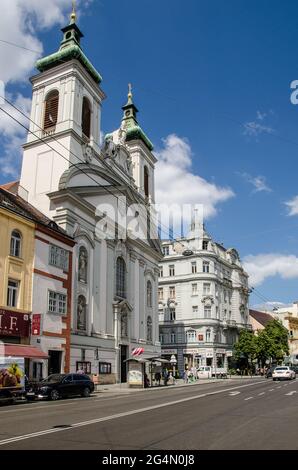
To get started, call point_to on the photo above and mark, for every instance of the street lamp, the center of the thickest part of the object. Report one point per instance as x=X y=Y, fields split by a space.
x=173 y=362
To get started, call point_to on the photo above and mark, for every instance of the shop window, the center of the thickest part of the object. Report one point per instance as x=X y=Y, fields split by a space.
x=84 y=366
x=104 y=368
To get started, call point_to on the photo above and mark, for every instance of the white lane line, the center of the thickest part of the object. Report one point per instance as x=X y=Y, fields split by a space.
x=232 y=394
x=263 y=393
x=291 y=393
x=279 y=386
x=271 y=390
x=249 y=398
x=119 y=415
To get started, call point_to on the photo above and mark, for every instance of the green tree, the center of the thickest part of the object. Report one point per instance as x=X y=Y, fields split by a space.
x=263 y=344
x=245 y=349
x=278 y=335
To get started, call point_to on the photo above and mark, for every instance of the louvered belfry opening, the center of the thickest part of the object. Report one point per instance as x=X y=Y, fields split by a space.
x=146 y=181
x=51 y=110
x=86 y=117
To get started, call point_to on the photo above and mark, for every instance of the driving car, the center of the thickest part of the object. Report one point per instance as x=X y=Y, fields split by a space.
x=60 y=386
x=283 y=373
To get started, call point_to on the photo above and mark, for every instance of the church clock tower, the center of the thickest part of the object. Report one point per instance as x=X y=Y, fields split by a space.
x=65 y=117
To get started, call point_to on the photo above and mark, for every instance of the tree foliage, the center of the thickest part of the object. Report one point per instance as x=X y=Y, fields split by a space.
x=271 y=344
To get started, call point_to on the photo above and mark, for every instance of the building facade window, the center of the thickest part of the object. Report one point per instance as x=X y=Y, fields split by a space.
x=104 y=368
x=166 y=250
x=191 y=336
x=172 y=314
x=51 y=110
x=208 y=336
x=207 y=312
x=194 y=267
x=15 y=244
x=206 y=288
x=121 y=278
x=160 y=293
x=149 y=294
x=172 y=338
x=172 y=291
x=194 y=289
x=83 y=265
x=195 y=309
x=82 y=313
x=149 y=329
x=206 y=267
x=160 y=271
x=146 y=181
x=58 y=257
x=161 y=338
x=172 y=270
x=57 y=303
x=12 y=293
x=217 y=312
x=205 y=244
x=86 y=117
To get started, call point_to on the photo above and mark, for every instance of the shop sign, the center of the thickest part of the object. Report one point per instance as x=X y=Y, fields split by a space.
x=169 y=352
x=229 y=353
x=220 y=351
x=191 y=351
x=209 y=352
x=14 y=323
x=200 y=337
x=36 y=324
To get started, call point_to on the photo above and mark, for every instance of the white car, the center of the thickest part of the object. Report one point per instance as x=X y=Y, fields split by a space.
x=283 y=373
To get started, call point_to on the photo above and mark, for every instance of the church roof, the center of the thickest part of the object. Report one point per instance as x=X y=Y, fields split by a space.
x=66 y=54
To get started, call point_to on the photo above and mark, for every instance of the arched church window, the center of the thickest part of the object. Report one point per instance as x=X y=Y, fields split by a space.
x=83 y=264
x=149 y=329
x=51 y=109
x=86 y=117
x=146 y=181
x=121 y=278
x=81 y=314
x=149 y=294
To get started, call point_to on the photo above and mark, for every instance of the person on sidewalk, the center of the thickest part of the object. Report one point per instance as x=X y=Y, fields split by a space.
x=185 y=376
x=157 y=378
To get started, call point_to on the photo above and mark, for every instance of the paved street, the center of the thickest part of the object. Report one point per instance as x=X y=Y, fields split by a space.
x=230 y=414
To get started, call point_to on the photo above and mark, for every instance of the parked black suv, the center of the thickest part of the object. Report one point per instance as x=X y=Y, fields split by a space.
x=61 y=385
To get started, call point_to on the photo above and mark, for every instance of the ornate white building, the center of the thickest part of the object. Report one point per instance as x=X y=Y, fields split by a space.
x=78 y=184
x=203 y=300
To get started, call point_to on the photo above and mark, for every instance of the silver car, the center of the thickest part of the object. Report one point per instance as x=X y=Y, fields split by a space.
x=283 y=373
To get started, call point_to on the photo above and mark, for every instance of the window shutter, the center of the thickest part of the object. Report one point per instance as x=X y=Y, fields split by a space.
x=51 y=110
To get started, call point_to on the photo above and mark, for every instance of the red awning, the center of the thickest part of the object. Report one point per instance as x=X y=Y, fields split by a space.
x=22 y=350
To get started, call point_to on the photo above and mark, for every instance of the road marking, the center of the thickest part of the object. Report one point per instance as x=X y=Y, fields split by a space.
x=291 y=393
x=232 y=394
x=249 y=398
x=262 y=393
x=271 y=390
x=119 y=415
x=279 y=386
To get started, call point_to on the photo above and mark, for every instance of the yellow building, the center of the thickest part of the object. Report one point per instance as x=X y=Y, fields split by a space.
x=16 y=269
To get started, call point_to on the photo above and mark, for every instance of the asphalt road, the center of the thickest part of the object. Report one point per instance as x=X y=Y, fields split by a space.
x=238 y=414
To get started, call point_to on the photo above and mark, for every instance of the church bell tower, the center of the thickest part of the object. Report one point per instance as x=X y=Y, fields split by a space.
x=65 y=117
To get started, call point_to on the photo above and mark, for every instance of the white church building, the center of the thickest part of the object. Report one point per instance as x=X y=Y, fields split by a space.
x=77 y=183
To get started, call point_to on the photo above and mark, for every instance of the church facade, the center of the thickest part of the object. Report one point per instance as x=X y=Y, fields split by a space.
x=102 y=196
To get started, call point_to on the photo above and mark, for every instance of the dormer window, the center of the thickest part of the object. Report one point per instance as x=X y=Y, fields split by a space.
x=51 y=110
x=86 y=117
x=205 y=244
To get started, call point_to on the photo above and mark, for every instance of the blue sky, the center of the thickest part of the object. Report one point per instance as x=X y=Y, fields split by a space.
x=213 y=75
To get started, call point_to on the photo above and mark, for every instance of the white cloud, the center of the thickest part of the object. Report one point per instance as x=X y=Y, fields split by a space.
x=177 y=184
x=13 y=134
x=262 y=266
x=292 y=206
x=259 y=182
x=255 y=128
x=20 y=23
x=269 y=306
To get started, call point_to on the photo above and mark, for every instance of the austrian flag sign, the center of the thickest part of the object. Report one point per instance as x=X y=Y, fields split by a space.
x=137 y=351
